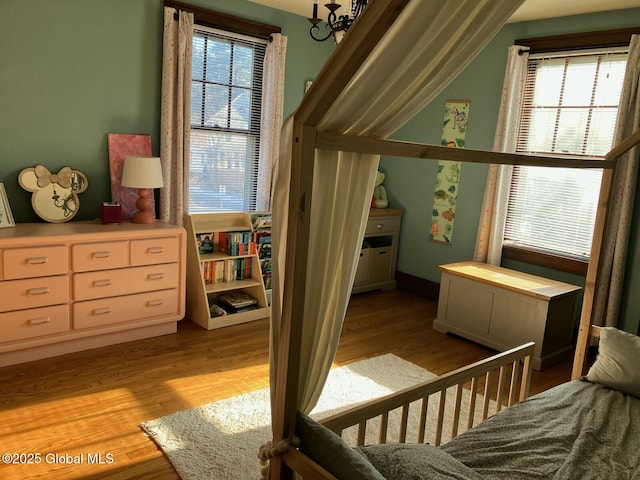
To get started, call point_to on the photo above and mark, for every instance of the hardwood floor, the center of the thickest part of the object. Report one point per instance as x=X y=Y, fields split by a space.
x=89 y=404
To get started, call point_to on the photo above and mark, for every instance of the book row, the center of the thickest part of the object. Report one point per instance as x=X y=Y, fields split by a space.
x=229 y=270
x=231 y=243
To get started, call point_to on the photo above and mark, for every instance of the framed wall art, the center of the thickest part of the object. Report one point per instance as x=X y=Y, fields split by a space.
x=6 y=218
x=122 y=145
x=54 y=196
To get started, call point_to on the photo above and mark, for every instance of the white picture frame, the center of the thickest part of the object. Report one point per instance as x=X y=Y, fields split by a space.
x=6 y=218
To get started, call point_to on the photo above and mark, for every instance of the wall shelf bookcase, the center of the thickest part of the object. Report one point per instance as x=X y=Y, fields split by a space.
x=202 y=294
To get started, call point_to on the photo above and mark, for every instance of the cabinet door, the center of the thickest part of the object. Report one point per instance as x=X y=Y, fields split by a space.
x=362 y=271
x=380 y=263
x=468 y=305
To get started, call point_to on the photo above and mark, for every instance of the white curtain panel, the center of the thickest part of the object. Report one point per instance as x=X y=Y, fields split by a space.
x=175 y=114
x=496 y=195
x=429 y=44
x=613 y=256
x=271 y=118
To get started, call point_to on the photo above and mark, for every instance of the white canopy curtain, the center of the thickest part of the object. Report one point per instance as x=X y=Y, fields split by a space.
x=175 y=113
x=613 y=255
x=425 y=48
x=271 y=116
x=496 y=195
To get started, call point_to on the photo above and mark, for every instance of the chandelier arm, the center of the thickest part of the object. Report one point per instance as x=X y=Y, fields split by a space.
x=335 y=23
x=315 y=29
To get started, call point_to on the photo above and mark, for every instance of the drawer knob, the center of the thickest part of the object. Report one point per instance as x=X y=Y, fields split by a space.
x=155 y=250
x=154 y=303
x=38 y=291
x=101 y=311
x=100 y=255
x=39 y=321
x=37 y=260
x=155 y=276
x=379 y=226
x=102 y=283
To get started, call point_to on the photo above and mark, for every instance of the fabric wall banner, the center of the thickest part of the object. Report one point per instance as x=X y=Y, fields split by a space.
x=454 y=129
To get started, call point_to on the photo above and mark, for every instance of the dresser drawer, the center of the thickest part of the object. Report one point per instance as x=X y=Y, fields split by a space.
x=154 y=251
x=381 y=225
x=35 y=262
x=34 y=323
x=108 y=311
x=87 y=257
x=34 y=292
x=124 y=281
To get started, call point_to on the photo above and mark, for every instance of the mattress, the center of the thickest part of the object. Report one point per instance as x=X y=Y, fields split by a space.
x=577 y=430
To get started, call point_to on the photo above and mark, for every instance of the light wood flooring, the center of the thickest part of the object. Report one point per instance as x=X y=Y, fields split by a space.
x=92 y=402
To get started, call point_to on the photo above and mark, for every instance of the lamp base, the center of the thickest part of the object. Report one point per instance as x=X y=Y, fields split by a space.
x=143 y=217
x=143 y=204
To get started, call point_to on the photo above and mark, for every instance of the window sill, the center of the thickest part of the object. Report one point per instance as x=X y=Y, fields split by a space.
x=563 y=264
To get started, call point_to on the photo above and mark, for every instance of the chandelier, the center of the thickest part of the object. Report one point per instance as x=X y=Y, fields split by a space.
x=335 y=26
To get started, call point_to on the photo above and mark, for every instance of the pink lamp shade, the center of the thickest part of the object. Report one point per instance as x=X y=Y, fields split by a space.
x=142 y=173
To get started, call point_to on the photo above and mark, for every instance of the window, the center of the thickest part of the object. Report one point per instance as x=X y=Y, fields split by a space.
x=569 y=109
x=226 y=98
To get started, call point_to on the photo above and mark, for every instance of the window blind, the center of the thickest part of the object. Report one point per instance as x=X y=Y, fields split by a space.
x=226 y=98
x=570 y=106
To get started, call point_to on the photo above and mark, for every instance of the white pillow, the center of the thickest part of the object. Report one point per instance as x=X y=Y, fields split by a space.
x=618 y=362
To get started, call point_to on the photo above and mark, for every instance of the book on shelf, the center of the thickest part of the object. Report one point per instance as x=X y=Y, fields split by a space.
x=237 y=301
x=261 y=220
x=205 y=242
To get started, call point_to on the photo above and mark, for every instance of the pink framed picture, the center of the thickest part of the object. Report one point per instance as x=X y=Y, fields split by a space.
x=122 y=145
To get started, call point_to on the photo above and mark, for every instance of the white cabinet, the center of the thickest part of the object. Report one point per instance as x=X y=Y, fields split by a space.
x=503 y=308
x=377 y=262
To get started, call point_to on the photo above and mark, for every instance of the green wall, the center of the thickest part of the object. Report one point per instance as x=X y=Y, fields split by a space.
x=75 y=70
x=410 y=183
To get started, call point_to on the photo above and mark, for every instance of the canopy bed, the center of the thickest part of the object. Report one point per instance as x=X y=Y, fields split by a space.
x=396 y=58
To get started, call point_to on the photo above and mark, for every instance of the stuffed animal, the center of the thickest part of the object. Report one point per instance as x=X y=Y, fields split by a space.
x=379 y=192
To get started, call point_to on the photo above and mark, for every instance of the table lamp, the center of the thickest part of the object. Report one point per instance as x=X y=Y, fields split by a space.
x=143 y=173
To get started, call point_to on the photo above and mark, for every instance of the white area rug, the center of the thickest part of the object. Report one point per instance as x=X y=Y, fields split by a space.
x=220 y=440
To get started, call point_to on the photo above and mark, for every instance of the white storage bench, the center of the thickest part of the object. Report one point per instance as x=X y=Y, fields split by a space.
x=503 y=308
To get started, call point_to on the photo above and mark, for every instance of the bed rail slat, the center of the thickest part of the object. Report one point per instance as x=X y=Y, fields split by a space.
x=473 y=394
x=456 y=410
x=440 y=421
x=403 y=423
x=526 y=378
x=422 y=428
x=473 y=373
x=362 y=432
x=500 y=392
x=384 y=425
x=513 y=387
x=487 y=394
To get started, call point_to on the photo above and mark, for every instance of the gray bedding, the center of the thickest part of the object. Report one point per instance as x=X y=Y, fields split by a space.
x=578 y=430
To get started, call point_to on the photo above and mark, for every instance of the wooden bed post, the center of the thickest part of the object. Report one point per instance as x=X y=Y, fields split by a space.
x=290 y=335
x=582 y=343
x=329 y=84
